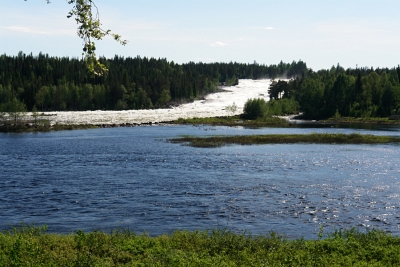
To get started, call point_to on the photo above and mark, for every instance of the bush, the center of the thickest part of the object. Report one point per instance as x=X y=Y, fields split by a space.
x=15 y=109
x=231 y=109
x=255 y=108
x=283 y=106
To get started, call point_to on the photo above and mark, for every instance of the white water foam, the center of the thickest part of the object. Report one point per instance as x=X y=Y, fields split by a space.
x=213 y=105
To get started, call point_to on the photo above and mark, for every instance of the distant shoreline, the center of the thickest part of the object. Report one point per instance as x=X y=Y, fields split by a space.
x=230 y=121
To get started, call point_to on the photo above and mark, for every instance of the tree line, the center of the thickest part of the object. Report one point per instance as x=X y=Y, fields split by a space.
x=44 y=83
x=361 y=92
x=47 y=83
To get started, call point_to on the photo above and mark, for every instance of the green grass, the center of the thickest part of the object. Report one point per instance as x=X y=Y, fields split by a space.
x=31 y=246
x=313 y=138
x=234 y=121
x=25 y=128
x=361 y=120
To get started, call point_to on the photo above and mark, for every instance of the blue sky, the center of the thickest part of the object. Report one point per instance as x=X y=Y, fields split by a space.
x=320 y=32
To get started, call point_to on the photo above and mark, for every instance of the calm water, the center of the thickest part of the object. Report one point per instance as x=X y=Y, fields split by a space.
x=133 y=178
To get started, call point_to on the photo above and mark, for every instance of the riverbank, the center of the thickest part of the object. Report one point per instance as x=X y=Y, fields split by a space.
x=34 y=247
x=221 y=108
x=211 y=106
x=314 y=138
x=27 y=128
x=234 y=121
x=352 y=120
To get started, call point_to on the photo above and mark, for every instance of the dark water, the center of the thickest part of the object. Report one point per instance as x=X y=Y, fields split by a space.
x=133 y=178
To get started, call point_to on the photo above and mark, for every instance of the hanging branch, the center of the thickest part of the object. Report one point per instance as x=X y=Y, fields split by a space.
x=89 y=29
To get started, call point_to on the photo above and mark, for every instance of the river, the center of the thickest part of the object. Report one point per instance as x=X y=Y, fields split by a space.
x=133 y=178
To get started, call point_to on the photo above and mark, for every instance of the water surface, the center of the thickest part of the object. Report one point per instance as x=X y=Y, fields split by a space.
x=134 y=178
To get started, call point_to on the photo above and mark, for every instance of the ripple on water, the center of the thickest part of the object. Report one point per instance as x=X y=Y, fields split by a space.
x=131 y=177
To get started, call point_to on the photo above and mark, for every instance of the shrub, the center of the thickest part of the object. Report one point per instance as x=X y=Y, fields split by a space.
x=231 y=109
x=283 y=106
x=15 y=109
x=255 y=108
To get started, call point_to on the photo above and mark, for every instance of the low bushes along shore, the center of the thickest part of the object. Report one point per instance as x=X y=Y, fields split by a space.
x=31 y=246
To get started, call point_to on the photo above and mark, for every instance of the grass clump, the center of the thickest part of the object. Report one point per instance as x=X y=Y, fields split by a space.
x=313 y=138
x=32 y=246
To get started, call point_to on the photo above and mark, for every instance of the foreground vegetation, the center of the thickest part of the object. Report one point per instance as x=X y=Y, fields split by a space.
x=31 y=246
x=313 y=138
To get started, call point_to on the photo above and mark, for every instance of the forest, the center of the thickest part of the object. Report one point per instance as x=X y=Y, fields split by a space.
x=45 y=83
x=62 y=84
x=359 y=93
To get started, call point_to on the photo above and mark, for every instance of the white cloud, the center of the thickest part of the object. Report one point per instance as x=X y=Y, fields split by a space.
x=262 y=28
x=36 y=31
x=24 y=30
x=219 y=44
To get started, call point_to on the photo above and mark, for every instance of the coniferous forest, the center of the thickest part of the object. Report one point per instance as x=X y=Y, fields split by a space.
x=47 y=83
x=62 y=84
x=359 y=93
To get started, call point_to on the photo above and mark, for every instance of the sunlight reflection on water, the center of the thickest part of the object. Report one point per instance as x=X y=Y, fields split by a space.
x=133 y=178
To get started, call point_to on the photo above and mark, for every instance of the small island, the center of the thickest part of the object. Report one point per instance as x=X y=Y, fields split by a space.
x=313 y=138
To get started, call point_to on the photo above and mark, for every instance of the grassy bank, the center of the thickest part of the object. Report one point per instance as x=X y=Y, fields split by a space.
x=44 y=128
x=313 y=138
x=234 y=121
x=361 y=120
x=44 y=125
x=29 y=246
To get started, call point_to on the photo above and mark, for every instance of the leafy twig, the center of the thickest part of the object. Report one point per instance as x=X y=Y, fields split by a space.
x=89 y=29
